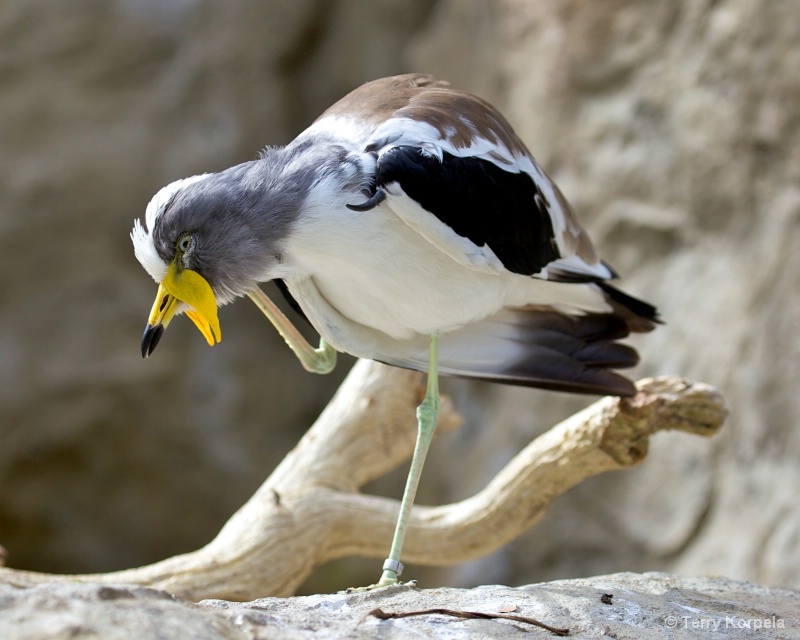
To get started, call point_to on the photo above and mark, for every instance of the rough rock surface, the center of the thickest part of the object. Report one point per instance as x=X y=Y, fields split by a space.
x=626 y=605
x=672 y=125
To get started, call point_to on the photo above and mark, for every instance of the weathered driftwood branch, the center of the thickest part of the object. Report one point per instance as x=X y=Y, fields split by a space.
x=309 y=510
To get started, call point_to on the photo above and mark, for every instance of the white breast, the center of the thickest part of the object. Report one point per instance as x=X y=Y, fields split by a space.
x=376 y=271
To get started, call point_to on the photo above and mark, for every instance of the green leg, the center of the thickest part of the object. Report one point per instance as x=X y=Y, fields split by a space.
x=427 y=414
x=321 y=360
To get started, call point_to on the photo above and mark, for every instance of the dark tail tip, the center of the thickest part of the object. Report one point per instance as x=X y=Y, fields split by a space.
x=640 y=316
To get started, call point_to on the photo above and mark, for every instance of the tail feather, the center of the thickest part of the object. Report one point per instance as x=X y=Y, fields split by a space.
x=545 y=349
x=640 y=316
x=539 y=346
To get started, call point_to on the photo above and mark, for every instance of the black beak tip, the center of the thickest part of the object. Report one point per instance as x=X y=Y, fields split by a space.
x=150 y=339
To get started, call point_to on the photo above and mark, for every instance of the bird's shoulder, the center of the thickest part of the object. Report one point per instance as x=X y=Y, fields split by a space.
x=379 y=100
x=452 y=166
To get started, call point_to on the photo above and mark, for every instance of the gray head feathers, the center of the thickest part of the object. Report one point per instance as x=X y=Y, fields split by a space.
x=238 y=220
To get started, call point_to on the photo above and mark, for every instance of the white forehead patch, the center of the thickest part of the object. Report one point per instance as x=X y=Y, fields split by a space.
x=142 y=235
x=146 y=253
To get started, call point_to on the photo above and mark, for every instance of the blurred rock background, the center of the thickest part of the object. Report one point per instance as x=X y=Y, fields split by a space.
x=672 y=125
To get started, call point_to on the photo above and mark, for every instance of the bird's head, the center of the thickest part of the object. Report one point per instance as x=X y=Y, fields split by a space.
x=203 y=243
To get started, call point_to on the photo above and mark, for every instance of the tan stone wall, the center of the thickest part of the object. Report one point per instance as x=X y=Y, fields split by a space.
x=672 y=126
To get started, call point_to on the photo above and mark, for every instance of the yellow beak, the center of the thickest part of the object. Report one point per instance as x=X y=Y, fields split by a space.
x=182 y=286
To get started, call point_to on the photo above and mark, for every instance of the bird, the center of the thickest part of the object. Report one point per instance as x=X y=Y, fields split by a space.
x=409 y=224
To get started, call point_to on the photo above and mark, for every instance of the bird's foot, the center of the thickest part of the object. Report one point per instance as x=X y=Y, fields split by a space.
x=381 y=585
x=391 y=574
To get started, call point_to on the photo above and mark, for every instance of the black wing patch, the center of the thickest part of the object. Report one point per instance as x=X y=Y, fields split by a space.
x=479 y=201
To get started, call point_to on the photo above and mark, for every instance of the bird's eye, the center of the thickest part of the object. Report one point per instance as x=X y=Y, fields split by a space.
x=184 y=242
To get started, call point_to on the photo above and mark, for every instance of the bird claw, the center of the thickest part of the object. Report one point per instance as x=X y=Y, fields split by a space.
x=378 y=197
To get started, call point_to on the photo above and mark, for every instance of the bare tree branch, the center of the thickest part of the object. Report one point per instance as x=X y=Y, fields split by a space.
x=309 y=510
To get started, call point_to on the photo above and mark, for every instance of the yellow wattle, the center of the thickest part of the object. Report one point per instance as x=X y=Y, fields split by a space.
x=190 y=287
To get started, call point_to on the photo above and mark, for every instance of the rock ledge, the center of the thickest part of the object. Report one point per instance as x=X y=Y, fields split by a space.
x=623 y=605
